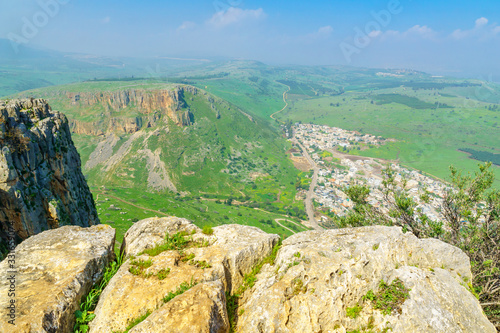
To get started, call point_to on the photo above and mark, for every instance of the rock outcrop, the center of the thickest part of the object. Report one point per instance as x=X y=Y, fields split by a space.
x=152 y=105
x=322 y=279
x=41 y=183
x=52 y=271
x=177 y=279
x=217 y=262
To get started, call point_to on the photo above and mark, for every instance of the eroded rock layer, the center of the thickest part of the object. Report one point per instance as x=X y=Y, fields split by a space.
x=41 y=183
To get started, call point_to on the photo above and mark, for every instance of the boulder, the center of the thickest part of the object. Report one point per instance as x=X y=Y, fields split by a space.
x=322 y=279
x=53 y=271
x=202 y=309
x=225 y=257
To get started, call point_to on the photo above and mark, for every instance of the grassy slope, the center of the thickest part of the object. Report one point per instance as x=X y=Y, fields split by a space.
x=194 y=157
x=428 y=139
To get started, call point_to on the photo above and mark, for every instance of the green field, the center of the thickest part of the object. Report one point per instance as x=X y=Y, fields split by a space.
x=243 y=160
x=119 y=207
x=428 y=138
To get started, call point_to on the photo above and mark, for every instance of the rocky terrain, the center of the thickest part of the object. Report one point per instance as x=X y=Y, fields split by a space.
x=41 y=183
x=176 y=278
x=53 y=271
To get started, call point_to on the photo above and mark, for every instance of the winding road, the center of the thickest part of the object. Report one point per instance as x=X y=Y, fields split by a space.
x=286 y=105
x=308 y=203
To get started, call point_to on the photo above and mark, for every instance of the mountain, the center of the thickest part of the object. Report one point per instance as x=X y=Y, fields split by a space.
x=165 y=137
x=149 y=147
x=24 y=67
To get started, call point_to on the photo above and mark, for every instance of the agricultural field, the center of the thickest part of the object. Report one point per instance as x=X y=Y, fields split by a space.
x=121 y=207
x=432 y=127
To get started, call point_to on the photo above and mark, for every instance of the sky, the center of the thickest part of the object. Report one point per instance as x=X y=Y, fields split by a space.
x=455 y=37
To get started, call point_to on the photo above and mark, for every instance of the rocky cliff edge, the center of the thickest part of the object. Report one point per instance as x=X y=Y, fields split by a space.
x=175 y=278
x=41 y=183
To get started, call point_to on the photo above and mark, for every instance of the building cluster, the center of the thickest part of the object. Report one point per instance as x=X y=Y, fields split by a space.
x=324 y=137
x=348 y=170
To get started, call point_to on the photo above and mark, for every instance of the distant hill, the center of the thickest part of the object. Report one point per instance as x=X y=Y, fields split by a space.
x=24 y=67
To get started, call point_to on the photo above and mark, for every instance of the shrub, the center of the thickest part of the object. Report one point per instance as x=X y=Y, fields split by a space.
x=354 y=311
x=390 y=297
x=207 y=230
x=16 y=140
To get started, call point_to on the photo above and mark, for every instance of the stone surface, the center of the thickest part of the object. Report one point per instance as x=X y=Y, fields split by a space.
x=320 y=274
x=202 y=309
x=41 y=183
x=54 y=269
x=233 y=251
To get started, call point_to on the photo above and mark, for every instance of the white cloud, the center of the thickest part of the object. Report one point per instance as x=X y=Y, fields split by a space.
x=323 y=32
x=482 y=29
x=422 y=31
x=235 y=15
x=481 y=22
x=187 y=25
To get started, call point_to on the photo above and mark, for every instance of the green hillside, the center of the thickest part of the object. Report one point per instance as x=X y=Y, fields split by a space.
x=225 y=167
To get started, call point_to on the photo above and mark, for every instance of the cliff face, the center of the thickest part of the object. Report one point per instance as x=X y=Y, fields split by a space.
x=41 y=183
x=152 y=104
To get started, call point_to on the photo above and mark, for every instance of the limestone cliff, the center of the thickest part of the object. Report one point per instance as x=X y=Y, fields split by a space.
x=152 y=105
x=41 y=183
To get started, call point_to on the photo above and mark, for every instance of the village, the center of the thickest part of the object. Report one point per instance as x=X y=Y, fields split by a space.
x=336 y=170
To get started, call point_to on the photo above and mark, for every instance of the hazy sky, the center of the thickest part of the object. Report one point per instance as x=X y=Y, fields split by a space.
x=455 y=37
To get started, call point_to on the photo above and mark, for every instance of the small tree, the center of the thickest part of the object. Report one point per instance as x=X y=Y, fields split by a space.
x=471 y=210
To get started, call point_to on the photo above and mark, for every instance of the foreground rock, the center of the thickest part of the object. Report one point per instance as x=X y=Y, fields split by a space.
x=54 y=270
x=41 y=183
x=321 y=277
x=200 y=309
x=217 y=263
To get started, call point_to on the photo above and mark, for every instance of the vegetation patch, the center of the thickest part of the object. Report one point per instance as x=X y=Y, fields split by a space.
x=482 y=156
x=298 y=286
x=163 y=273
x=137 y=267
x=354 y=311
x=85 y=315
x=187 y=257
x=232 y=301
x=182 y=288
x=411 y=102
x=200 y=264
x=136 y=321
x=207 y=230
x=177 y=241
x=389 y=297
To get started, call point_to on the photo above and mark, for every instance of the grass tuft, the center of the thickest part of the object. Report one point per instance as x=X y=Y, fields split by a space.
x=207 y=230
x=354 y=311
x=182 y=288
x=390 y=297
x=85 y=315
